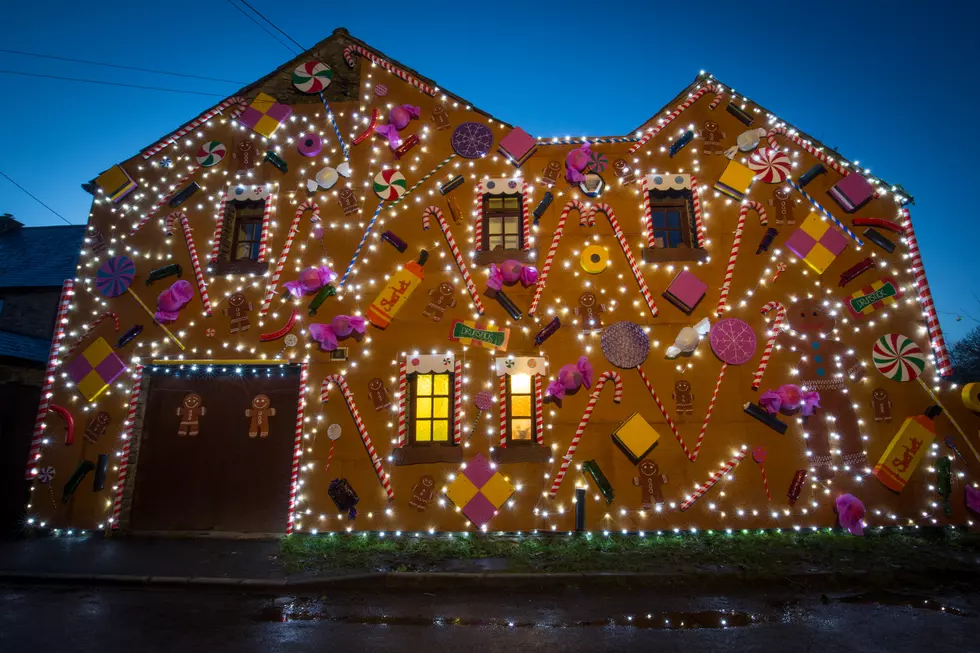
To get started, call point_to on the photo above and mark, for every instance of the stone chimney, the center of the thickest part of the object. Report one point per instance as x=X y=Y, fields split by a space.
x=8 y=223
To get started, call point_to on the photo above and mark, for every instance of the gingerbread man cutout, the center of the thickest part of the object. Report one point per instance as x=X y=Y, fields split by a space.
x=378 y=394
x=683 y=397
x=422 y=493
x=260 y=412
x=440 y=117
x=550 y=173
x=589 y=310
x=651 y=482
x=440 y=298
x=348 y=201
x=237 y=309
x=95 y=240
x=623 y=172
x=712 y=136
x=190 y=415
x=96 y=426
x=244 y=154
x=782 y=205
x=882 y=405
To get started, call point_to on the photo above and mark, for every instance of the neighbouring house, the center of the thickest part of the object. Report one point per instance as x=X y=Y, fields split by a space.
x=34 y=263
x=347 y=299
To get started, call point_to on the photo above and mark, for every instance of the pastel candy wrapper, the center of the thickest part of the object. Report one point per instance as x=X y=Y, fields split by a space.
x=172 y=300
x=688 y=338
x=509 y=273
x=340 y=327
x=850 y=513
x=570 y=378
x=310 y=280
x=575 y=163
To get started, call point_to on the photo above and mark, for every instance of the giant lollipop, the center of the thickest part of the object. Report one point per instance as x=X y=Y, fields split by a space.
x=770 y=166
x=115 y=277
x=733 y=342
x=483 y=401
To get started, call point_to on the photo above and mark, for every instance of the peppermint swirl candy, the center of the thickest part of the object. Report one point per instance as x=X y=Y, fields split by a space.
x=898 y=357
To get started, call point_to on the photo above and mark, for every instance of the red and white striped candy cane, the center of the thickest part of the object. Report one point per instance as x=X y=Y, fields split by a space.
x=297 y=447
x=402 y=400
x=90 y=327
x=780 y=268
x=774 y=329
x=192 y=251
x=127 y=441
x=618 y=231
x=617 y=397
x=715 y=477
x=266 y=227
x=194 y=124
x=166 y=197
x=270 y=292
x=219 y=225
x=526 y=215
x=795 y=137
x=747 y=205
x=538 y=411
x=647 y=221
x=502 y=408
x=711 y=87
x=691 y=455
x=460 y=262
x=67 y=292
x=925 y=297
x=457 y=401
x=711 y=408
x=350 y=50
x=361 y=429
x=583 y=212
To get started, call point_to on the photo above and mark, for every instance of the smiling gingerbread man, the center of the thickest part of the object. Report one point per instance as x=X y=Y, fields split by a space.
x=260 y=412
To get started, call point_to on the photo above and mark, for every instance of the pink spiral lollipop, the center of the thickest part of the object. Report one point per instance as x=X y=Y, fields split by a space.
x=770 y=166
x=483 y=401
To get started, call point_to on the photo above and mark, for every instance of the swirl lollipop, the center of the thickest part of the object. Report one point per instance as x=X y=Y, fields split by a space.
x=115 y=277
x=770 y=166
x=483 y=401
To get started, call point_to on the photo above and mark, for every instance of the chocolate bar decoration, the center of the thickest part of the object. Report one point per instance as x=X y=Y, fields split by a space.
x=878 y=239
x=766 y=418
x=853 y=272
x=591 y=468
x=164 y=272
x=811 y=174
x=184 y=195
x=452 y=184
x=548 y=331
x=796 y=486
x=508 y=305
x=128 y=337
x=454 y=211
x=101 y=467
x=580 y=502
x=277 y=161
x=767 y=240
x=542 y=206
x=406 y=145
x=679 y=144
x=396 y=242
x=740 y=113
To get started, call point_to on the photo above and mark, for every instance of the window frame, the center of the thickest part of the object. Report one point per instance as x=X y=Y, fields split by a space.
x=673 y=196
x=237 y=206
x=502 y=214
x=411 y=408
x=665 y=204
x=511 y=441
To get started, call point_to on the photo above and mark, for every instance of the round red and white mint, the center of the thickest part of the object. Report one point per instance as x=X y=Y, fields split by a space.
x=770 y=166
x=211 y=153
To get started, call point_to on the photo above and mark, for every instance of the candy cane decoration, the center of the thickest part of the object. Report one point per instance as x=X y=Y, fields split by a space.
x=713 y=479
x=266 y=224
x=127 y=440
x=361 y=429
x=691 y=455
x=90 y=327
x=67 y=292
x=192 y=251
x=502 y=408
x=780 y=268
x=525 y=213
x=460 y=262
x=827 y=214
x=538 y=411
x=583 y=212
x=166 y=197
x=297 y=447
x=402 y=400
x=352 y=49
x=457 y=401
x=617 y=397
x=809 y=149
x=617 y=230
x=696 y=202
x=774 y=329
x=421 y=181
x=747 y=205
x=194 y=124
x=925 y=297
x=714 y=88
x=270 y=292
x=219 y=225
x=360 y=246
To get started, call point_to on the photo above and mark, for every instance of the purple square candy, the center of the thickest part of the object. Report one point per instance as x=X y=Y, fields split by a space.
x=687 y=288
x=834 y=241
x=110 y=368
x=250 y=116
x=517 y=143
x=279 y=112
x=479 y=510
x=78 y=368
x=800 y=243
x=852 y=192
x=478 y=471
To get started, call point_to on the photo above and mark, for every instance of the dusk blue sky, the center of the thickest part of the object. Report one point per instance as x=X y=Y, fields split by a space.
x=885 y=85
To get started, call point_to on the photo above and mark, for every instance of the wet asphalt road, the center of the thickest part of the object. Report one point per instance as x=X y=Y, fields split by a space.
x=110 y=619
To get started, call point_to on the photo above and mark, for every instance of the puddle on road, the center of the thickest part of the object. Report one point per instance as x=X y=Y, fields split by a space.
x=900 y=600
x=302 y=609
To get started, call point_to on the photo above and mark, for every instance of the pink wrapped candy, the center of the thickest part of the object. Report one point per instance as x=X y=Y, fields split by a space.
x=788 y=398
x=310 y=280
x=510 y=272
x=398 y=119
x=575 y=163
x=172 y=300
x=339 y=328
x=850 y=513
x=570 y=378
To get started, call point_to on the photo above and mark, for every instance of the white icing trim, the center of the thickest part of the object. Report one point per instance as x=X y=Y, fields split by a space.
x=502 y=186
x=533 y=365
x=429 y=363
x=668 y=181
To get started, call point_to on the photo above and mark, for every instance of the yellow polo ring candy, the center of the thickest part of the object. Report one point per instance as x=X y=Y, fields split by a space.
x=971 y=396
x=594 y=259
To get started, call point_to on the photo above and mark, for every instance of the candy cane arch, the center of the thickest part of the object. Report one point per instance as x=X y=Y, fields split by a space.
x=806 y=147
x=716 y=89
x=583 y=212
x=691 y=455
x=192 y=251
x=67 y=292
x=460 y=262
x=736 y=244
x=194 y=124
x=298 y=447
x=127 y=440
x=618 y=231
x=361 y=429
x=90 y=327
x=925 y=297
x=617 y=397
x=352 y=49
x=713 y=479
x=270 y=292
x=774 y=329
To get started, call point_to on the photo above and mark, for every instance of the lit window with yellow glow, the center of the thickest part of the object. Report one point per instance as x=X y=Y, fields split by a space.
x=520 y=408
x=432 y=420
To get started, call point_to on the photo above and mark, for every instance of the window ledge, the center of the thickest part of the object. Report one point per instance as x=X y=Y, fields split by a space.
x=499 y=255
x=668 y=254
x=246 y=266
x=521 y=452
x=420 y=454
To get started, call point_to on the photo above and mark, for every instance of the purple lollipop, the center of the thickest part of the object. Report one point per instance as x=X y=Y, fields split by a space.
x=115 y=276
x=733 y=341
x=471 y=140
x=483 y=401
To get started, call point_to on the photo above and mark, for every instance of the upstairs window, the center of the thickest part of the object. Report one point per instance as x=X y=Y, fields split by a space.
x=243 y=219
x=502 y=225
x=503 y=231
x=671 y=221
x=245 y=222
x=672 y=231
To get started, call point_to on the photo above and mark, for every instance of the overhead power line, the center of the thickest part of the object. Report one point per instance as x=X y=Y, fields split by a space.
x=97 y=81
x=34 y=197
x=263 y=27
x=260 y=15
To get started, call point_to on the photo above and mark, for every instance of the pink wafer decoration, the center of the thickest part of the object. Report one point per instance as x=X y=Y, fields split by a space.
x=691 y=455
x=270 y=292
x=708 y=88
x=361 y=429
x=715 y=477
x=194 y=124
x=460 y=262
x=67 y=292
x=297 y=447
x=747 y=205
x=402 y=400
x=192 y=251
x=352 y=49
x=89 y=328
x=166 y=197
x=502 y=408
x=618 y=231
x=925 y=297
x=583 y=211
x=127 y=440
x=538 y=410
x=795 y=137
x=617 y=397
x=266 y=227
x=774 y=329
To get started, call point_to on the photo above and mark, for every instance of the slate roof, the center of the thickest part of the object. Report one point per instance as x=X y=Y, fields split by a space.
x=24 y=347
x=39 y=257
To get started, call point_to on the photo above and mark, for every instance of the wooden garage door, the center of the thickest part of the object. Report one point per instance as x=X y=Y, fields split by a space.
x=220 y=479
